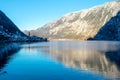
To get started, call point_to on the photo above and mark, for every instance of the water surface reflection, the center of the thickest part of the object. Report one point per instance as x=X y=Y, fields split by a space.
x=60 y=60
x=6 y=52
x=100 y=57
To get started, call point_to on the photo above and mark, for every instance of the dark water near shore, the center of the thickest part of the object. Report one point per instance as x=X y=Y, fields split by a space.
x=60 y=60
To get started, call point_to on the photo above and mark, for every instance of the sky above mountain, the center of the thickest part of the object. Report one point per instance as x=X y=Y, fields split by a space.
x=31 y=14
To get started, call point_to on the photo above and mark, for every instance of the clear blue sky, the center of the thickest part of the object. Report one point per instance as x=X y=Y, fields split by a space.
x=31 y=14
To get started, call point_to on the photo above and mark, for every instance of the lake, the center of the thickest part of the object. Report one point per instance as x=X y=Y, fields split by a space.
x=60 y=60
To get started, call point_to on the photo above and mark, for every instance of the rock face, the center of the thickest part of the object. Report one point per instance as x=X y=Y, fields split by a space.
x=10 y=32
x=81 y=25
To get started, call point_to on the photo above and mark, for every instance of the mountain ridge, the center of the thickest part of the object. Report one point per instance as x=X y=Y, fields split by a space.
x=80 y=25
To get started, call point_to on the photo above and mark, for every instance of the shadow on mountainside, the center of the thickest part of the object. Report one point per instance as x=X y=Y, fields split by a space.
x=110 y=31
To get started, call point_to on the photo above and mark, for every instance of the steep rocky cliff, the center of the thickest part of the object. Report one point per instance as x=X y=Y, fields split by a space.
x=81 y=25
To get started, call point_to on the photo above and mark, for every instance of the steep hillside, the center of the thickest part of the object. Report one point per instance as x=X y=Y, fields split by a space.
x=81 y=25
x=8 y=30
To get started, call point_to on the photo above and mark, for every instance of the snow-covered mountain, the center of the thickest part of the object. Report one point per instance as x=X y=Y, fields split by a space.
x=81 y=25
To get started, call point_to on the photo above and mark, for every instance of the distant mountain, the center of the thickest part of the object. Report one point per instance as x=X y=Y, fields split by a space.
x=10 y=32
x=81 y=25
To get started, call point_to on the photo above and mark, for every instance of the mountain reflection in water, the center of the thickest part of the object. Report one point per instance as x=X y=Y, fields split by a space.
x=99 y=57
x=44 y=60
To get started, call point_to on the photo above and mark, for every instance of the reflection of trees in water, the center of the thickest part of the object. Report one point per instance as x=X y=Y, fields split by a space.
x=6 y=51
x=97 y=61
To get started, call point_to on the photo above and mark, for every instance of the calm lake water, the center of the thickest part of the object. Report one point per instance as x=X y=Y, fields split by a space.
x=60 y=60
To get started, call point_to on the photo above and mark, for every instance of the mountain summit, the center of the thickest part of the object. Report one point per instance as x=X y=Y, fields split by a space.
x=81 y=25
